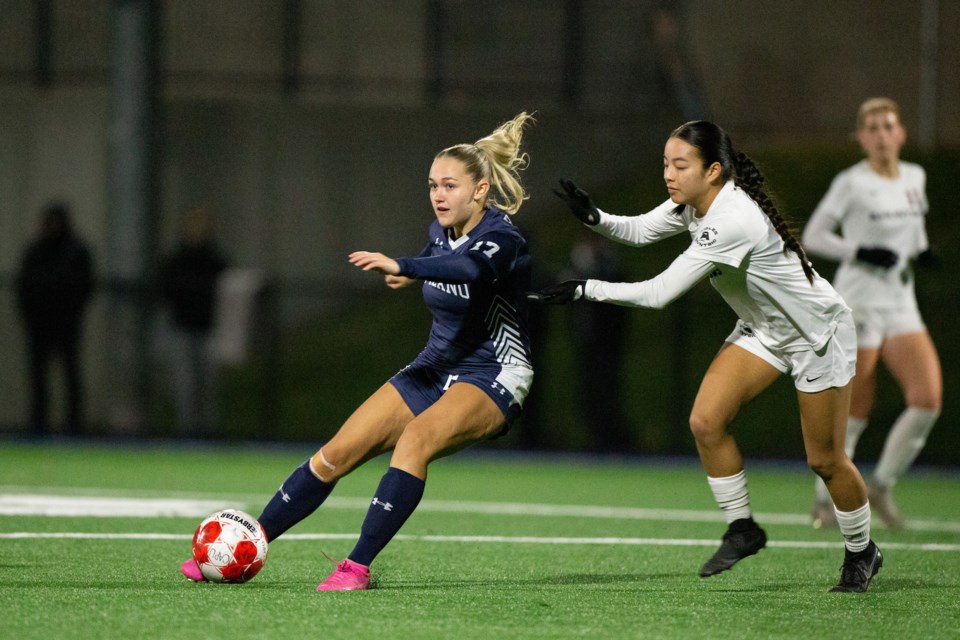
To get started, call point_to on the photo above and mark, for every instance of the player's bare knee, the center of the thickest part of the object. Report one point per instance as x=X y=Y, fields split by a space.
x=923 y=399
x=412 y=460
x=706 y=430
x=423 y=442
x=823 y=467
x=416 y=442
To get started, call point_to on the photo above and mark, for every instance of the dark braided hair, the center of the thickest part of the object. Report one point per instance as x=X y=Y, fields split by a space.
x=714 y=145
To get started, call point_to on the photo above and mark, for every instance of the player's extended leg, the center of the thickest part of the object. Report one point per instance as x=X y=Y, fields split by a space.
x=462 y=416
x=823 y=417
x=371 y=430
x=733 y=379
x=912 y=360
x=862 y=394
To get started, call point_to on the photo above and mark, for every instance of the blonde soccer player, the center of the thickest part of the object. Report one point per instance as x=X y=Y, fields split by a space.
x=469 y=382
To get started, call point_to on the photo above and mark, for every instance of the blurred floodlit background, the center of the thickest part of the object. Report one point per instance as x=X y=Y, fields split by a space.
x=306 y=127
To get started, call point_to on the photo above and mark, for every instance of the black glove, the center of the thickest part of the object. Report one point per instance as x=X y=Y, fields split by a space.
x=877 y=256
x=579 y=202
x=927 y=259
x=561 y=293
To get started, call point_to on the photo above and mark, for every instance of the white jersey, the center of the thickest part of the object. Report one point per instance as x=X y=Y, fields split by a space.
x=872 y=211
x=734 y=244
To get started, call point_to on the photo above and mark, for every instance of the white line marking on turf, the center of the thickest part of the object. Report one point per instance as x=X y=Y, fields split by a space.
x=24 y=504
x=638 y=513
x=553 y=540
x=45 y=505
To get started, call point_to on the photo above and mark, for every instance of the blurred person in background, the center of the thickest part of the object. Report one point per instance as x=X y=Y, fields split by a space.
x=791 y=321
x=188 y=278
x=468 y=383
x=53 y=287
x=872 y=221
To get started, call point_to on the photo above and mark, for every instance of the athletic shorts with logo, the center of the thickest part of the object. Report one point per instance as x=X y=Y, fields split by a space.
x=833 y=365
x=421 y=384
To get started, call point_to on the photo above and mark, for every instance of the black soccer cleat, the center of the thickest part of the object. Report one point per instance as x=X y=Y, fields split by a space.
x=858 y=569
x=743 y=538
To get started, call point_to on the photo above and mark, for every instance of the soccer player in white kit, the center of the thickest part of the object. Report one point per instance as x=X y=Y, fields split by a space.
x=879 y=206
x=790 y=321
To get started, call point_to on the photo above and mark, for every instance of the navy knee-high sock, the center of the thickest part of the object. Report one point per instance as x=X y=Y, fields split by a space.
x=298 y=497
x=397 y=496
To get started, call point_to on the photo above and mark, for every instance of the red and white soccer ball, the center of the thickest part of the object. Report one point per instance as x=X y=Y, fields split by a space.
x=229 y=546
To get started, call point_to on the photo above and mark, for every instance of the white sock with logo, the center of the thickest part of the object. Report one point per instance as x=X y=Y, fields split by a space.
x=732 y=496
x=855 y=427
x=855 y=527
x=904 y=443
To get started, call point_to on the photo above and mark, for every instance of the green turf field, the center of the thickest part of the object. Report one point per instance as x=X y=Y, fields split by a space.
x=501 y=547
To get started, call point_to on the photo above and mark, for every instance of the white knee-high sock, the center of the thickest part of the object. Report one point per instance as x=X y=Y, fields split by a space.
x=855 y=427
x=732 y=496
x=904 y=443
x=855 y=527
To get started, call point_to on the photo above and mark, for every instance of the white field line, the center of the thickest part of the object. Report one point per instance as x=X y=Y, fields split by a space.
x=95 y=504
x=104 y=506
x=607 y=541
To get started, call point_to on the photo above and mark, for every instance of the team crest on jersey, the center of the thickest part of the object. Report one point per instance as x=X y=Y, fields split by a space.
x=706 y=237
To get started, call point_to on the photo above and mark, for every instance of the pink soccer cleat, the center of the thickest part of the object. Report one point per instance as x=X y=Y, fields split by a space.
x=191 y=570
x=348 y=576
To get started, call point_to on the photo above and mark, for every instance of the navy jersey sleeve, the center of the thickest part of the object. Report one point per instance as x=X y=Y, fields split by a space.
x=488 y=258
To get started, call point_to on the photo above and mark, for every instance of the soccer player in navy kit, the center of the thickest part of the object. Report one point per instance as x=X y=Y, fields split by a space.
x=791 y=321
x=469 y=381
x=879 y=206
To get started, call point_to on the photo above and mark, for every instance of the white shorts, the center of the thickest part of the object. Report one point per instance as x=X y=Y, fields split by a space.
x=834 y=365
x=874 y=326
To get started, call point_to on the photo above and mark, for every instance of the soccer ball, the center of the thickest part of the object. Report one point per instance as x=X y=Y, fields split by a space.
x=229 y=546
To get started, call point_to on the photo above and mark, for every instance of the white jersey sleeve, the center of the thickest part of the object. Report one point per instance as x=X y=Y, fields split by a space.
x=737 y=247
x=662 y=222
x=682 y=274
x=820 y=236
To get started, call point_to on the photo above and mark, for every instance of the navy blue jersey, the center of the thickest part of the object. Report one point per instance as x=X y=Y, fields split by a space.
x=475 y=287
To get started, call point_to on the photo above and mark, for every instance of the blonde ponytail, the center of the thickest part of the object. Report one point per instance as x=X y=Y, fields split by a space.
x=497 y=158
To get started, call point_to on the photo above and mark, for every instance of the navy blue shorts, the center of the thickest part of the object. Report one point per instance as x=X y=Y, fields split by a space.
x=421 y=385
